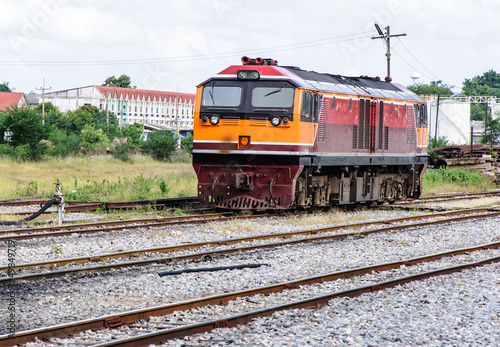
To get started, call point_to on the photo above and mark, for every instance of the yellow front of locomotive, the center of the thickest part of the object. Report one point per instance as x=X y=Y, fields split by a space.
x=248 y=138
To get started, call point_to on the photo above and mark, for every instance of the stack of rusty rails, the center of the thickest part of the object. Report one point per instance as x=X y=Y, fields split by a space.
x=482 y=158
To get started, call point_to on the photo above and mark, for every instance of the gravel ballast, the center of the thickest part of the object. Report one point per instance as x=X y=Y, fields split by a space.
x=60 y=300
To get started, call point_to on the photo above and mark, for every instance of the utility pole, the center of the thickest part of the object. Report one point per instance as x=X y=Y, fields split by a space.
x=387 y=38
x=177 y=112
x=437 y=117
x=107 y=106
x=486 y=124
x=43 y=99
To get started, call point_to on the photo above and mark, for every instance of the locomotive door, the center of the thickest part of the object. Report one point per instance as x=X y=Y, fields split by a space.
x=373 y=117
x=367 y=125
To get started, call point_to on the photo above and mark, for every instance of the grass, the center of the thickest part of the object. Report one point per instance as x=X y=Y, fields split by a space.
x=467 y=203
x=103 y=178
x=334 y=216
x=98 y=178
x=445 y=181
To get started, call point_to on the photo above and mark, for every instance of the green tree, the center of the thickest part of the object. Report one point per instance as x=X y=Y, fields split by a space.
x=161 y=144
x=63 y=144
x=187 y=143
x=133 y=133
x=434 y=88
x=22 y=129
x=4 y=87
x=49 y=107
x=488 y=84
x=93 y=138
x=123 y=82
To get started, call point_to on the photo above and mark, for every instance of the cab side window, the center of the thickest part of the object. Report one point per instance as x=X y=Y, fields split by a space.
x=307 y=101
x=311 y=106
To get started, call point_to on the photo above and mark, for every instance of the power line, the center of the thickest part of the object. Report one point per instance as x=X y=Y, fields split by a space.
x=437 y=78
x=301 y=45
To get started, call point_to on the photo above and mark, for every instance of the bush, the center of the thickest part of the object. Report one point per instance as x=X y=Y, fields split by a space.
x=93 y=138
x=63 y=144
x=6 y=149
x=187 y=144
x=442 y=176
x=121 y=152
x=26 y=133
x=161 y=144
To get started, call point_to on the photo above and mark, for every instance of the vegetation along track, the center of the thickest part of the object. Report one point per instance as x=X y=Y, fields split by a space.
x=465 y=215
x=116 y=320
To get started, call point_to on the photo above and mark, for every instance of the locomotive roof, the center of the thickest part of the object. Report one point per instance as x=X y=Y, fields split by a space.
x=362 y=85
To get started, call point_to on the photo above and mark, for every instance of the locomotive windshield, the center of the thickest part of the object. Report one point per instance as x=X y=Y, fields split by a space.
x=223 y=96
x=273 y=97
x=248 y=96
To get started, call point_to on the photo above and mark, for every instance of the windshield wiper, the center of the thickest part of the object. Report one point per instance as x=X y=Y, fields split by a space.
x=211 y=92
x=276 y=90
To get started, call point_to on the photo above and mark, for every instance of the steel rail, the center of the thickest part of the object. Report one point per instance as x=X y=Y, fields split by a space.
x=125 y=225
x=123 y=318
x=462 y=196
x=193 y=256
x=109 y=204
x=109 y=223
x=310 y=303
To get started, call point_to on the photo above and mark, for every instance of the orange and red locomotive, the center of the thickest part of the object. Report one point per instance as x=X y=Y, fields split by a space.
x=276 y=137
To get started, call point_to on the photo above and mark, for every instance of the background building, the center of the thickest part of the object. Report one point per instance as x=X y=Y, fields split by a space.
x=8 y=99
x=155 y=109
x=453 y=120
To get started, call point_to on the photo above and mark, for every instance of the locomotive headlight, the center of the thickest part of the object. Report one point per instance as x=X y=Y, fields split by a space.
x=275 y=121
x=204 y=119
x=285 y=120
x=214 y=119
x=248 y=75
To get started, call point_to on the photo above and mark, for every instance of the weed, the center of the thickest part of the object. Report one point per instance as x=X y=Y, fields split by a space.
x=164 y=187
x=30 y=190
x=177 y=212
x=57 y=249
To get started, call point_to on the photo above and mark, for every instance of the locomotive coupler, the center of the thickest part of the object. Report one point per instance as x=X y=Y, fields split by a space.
x=243 y=181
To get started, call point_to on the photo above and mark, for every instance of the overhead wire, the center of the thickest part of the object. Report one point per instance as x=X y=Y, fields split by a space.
x=301 y=45
x=413 y=56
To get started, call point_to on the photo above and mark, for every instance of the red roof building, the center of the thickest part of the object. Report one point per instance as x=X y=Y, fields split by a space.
x=8 y=99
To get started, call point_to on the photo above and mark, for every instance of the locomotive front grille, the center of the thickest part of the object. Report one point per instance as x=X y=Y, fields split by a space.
x=230 y=122
x=258 y=122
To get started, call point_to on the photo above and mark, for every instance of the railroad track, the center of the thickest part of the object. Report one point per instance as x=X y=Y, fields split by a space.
x=115 y=225
x=156 y=337
x=466 y=215
x=463 y=196
x=80 y=206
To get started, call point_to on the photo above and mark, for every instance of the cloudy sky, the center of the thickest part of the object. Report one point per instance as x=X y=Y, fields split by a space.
x=176 y=44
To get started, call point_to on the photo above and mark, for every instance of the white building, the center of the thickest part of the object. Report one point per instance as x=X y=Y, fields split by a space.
x=168 y=110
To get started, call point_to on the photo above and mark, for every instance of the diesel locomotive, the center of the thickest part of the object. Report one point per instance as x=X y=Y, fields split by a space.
x=279 y=137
